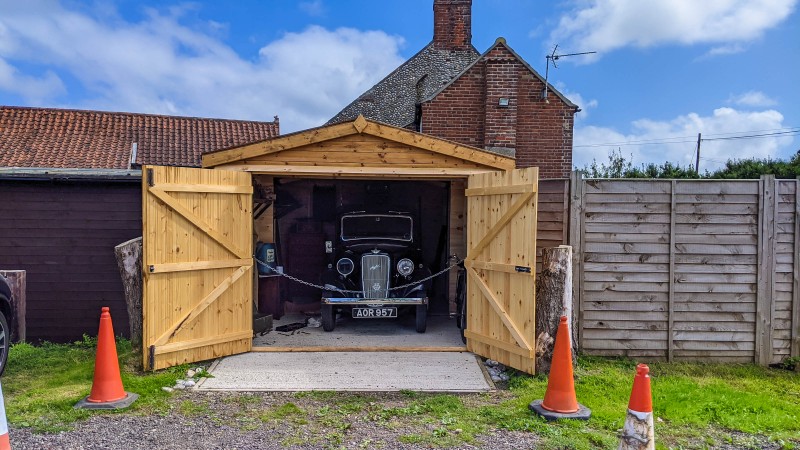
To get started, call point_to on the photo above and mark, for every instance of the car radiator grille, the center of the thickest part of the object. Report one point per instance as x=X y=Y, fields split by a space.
x=375 y=275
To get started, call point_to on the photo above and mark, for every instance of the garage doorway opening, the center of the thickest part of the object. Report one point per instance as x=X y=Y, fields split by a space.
x=304 y=227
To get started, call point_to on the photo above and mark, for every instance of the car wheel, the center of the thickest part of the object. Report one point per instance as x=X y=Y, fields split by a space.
x=5 y=342
x=328 y=318
x=462 y=319
x=422 y=318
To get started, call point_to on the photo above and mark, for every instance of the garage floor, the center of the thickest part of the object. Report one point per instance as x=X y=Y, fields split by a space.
x=352 y=359
x=373 y=334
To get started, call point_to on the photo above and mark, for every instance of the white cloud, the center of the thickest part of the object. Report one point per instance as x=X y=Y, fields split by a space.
x=605 y=25
x=576 y=98
x=675 y=140
x=30 y=88
x=159 y=65
x=752 y=98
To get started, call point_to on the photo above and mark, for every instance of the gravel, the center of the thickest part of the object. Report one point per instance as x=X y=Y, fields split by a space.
x=232 y=424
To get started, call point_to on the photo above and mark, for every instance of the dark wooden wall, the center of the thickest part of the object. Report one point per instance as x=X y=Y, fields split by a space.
x=63 y=233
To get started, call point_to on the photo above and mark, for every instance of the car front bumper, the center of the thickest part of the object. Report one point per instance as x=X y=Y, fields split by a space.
x=354 y=301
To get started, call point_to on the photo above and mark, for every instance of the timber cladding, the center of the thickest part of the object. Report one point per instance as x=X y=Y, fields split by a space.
x=63 y=234
x=684 y=269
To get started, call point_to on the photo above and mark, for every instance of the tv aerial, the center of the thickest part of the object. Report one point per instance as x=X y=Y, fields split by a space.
x=555 y=57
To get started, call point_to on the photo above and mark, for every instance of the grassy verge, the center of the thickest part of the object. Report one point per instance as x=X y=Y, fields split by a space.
x=696 y=405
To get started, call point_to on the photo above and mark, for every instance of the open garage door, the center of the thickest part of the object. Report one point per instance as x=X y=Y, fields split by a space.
x=501 y=266
x=197 y=262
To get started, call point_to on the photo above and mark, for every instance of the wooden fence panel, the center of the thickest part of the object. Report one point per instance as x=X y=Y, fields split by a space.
x=553 y=216
x=687 y=269
x=786 y=218
x=625 y=277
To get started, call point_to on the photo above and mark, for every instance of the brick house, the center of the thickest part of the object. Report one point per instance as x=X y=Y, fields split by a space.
x=70 y=190
x=492 y=100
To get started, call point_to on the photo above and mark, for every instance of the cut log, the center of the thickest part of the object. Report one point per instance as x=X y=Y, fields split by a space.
x=17 y=280
x=553 y=299
x=129 y=261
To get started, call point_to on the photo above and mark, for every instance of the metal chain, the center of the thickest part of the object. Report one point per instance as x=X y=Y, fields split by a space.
x=344 y=291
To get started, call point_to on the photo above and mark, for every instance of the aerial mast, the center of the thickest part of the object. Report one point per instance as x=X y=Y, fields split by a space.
x=555 y=57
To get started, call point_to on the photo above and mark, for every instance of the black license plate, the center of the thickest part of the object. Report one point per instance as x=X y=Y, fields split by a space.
x=374 y=313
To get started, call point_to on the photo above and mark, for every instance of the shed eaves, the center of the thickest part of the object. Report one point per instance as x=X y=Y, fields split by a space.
x=393 y=99
x=63 y=138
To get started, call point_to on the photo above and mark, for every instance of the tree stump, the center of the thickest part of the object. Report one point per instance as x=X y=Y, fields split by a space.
x=553 y=300
x=17 y=281
x=129 y=261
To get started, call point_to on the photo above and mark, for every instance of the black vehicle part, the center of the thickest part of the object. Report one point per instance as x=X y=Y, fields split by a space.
x=328 y=317
x=422 y=318
x=461 y=301
x=5 y=341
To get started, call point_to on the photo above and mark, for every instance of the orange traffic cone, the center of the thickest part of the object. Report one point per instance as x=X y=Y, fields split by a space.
x=638 y=433
x=107 y=391
x=5 y=444
x=559 y=399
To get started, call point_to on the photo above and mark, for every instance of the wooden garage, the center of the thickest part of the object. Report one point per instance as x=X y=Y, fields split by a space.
x=200 y=226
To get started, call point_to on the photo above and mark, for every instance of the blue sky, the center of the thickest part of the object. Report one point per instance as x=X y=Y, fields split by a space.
x=665 y=70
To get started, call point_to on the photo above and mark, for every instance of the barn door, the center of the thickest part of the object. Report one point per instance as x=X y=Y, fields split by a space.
x=501 y=266
x=197 y=262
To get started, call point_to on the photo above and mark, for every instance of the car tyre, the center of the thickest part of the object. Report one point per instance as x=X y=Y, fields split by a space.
x=462 y=319
x=5 y=342
x=422 y=318
x=328 y=318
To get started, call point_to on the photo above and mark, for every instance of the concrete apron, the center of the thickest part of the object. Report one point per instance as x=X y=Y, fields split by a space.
x=348 y=371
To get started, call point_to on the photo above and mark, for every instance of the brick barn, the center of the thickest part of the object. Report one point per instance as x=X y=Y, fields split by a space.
x=493 y=100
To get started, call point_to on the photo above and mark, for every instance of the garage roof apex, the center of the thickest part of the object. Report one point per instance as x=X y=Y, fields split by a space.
x=362 y=126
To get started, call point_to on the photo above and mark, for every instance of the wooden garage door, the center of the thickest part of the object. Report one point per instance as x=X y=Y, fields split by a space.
x=197 y=262
x=501 y=262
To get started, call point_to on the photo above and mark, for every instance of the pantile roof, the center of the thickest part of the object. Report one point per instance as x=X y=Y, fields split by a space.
x=65 y=138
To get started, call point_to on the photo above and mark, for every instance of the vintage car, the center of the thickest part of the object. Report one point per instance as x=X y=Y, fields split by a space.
x=374 y=269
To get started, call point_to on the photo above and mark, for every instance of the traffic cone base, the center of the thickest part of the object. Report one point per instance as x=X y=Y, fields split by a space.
x=107 y=391
x=583 y=413
x=638 y=432
x=559 y=399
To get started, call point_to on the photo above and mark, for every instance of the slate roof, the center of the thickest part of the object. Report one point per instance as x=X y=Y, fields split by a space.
x=65 y=138
x=393 y=99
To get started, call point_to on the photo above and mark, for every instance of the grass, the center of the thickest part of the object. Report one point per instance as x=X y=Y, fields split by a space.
x=696 y=405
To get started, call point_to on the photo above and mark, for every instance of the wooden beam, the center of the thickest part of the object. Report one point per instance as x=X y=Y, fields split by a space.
x=501 y=312
x=195 y=220
x=318 y=348
x=500 y=190
x=333 y=171
x=766 y=250
x=199 y=265
x=499 y=226
x=210 y=188
x=501 y=267
x=419 y=140
x=202 y=342
x=499 y=344
x=277 y=144
x=195 y=312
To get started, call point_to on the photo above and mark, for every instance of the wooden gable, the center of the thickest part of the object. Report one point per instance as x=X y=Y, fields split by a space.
x=361 y=148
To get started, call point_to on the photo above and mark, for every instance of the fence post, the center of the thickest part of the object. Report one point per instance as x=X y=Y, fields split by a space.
x=576 y=241
x=671 y=295
x=766 y=270
x=795 y=333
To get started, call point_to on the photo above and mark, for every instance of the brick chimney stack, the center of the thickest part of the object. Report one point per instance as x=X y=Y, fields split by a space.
x=452 y=24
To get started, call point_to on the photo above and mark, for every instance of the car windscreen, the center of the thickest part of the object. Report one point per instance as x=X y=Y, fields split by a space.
x=374 y=226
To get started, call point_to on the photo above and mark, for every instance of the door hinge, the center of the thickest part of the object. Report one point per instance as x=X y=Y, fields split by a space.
x=150 y=178
x=522 y=269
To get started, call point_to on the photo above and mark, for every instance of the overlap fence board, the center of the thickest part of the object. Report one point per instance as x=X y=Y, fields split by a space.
x=687 y=269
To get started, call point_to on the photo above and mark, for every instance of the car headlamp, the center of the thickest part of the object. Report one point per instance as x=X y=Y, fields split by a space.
x=345 y=266
x=405 y=267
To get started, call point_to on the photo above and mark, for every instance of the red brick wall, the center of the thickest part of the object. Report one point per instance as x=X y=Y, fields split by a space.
x=452 y=24
x=467 y=111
